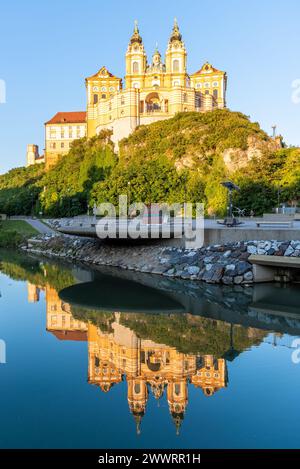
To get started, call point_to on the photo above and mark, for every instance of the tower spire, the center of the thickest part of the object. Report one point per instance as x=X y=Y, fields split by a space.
x=177 y=419
x=136 y=34
x=176 y=34
x=138 y=421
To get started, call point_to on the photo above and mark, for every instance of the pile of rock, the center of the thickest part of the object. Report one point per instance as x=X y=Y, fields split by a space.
x=227 y=264
x=274 y=248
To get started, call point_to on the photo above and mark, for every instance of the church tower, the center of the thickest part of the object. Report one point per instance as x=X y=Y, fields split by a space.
x=177 y=393
x=176 y=59
x=136 y=61
x=137 y=399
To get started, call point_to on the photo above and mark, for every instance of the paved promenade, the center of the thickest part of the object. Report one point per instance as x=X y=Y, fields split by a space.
x=41 y=227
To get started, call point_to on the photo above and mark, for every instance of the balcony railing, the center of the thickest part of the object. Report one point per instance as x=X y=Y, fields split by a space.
x=150 y=111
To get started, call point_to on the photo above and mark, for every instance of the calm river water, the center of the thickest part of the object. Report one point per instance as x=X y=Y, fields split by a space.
x=113 y=359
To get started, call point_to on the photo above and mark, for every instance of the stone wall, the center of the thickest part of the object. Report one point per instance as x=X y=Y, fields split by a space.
x=225 y=264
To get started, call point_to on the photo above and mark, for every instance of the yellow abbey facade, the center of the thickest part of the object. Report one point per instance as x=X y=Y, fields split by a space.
x=144 y=364
x=149 y=366
x=152 y=91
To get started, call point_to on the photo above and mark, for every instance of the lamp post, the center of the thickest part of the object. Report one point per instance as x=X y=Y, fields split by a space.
x=32 y=203
x=278 y=197
x=185 y=193
x=129 y=196
x=230 y=186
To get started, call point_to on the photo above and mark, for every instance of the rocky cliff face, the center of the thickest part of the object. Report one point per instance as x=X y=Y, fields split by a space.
x=191 y=140
x=236 y=158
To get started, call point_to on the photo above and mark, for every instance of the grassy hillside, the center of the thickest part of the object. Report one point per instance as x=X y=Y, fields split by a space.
x=187 y=157
x=180 y=159
x=193 y=138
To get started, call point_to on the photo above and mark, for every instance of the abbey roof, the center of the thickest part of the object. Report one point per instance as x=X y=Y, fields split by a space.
x=68 y=118
x=103 y=73
x=206 y=69
x=78 y=336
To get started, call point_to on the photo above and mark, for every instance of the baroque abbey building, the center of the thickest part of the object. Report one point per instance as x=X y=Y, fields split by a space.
x=151 y=92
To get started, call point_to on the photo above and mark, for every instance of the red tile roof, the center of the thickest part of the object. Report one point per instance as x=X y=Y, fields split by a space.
x=68 y=118
x=78 y=336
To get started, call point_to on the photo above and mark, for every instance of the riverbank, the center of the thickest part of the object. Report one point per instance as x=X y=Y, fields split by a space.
x=15 y=232
x=220 y=264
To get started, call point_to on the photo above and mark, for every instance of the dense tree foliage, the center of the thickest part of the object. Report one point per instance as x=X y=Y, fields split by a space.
x=274 y=178
x=67 y=186
x=19 y=190
x=176 y=160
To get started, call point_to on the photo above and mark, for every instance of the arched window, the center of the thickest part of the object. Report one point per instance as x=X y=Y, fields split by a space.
x=122 y=100
x=176 y=65
x=137 y=388
x=185 y=98
x=95 y=98
x=135 y=67
x=206 y=91
x=177 y=389
x=215 y=93
x=103 y=96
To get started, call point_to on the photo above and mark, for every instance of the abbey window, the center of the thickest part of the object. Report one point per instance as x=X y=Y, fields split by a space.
x=176 y=65
x=135 y=67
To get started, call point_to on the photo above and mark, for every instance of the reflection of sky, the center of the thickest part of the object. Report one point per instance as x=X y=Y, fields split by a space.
x=47 y=402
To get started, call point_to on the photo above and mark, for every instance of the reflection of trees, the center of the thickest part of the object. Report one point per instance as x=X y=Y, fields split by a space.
x=100 y=319
x=192 y=334
x=20 y=267
x=189 y=334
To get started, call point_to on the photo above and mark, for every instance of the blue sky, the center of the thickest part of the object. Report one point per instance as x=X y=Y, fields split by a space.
x=48 y=48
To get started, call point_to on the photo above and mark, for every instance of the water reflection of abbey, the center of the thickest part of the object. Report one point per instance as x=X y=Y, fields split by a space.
x=147 y=366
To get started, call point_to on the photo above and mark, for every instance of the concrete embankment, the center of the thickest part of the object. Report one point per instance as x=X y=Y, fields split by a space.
x=224 y=264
